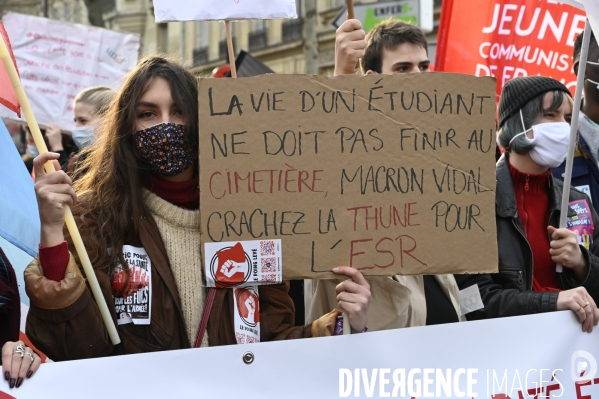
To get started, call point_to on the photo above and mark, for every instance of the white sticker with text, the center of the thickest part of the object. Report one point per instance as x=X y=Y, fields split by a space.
x=132 y=296
x=243 y=263
x=247 y=314
x=470 y=300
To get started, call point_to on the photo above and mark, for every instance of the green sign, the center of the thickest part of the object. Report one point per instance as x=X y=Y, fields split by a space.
x=415 y=12
x=407 y=14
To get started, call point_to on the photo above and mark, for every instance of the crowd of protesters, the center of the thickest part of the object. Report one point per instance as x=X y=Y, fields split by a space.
x=137 y=184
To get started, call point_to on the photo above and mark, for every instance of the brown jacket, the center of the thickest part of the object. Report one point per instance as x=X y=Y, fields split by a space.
x=65 y=323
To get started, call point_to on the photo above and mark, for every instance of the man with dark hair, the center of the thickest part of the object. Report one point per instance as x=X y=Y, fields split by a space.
x=390 y=47
x=585 y=172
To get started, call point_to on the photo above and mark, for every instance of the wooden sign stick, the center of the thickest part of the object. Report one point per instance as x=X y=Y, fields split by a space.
x=350 y=9
x=68 y=215
x=351 y=15
x=584 y=53
x=230 y=48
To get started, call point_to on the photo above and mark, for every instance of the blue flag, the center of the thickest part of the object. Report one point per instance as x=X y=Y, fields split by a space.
x=19 y=215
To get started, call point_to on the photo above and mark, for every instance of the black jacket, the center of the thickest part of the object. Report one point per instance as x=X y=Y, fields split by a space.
x=509 y=292
x=585 y=171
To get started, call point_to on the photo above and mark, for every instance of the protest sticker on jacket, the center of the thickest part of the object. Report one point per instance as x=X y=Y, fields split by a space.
x=386 y=174
x=582 y=223
x=133 y=295
x=57 y=60
x=216 y=10
x=507 y=39
x=247 y=314
x=231 y=264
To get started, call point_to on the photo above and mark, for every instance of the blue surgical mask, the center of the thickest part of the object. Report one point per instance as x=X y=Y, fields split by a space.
x=32 y=150
x=84 y=136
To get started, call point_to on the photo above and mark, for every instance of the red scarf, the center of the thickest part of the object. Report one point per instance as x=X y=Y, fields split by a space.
x=184 y=194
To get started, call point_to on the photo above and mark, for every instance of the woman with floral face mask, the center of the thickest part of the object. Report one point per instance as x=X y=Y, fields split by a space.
x=137 y=209
x=534 y=116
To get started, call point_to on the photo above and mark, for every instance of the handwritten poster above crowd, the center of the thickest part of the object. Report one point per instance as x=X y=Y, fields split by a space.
x=507 y=39
x=386 y=174
x=57 y=60
x=215 y=10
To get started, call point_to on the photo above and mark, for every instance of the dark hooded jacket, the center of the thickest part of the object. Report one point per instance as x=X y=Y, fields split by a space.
x=509 y=292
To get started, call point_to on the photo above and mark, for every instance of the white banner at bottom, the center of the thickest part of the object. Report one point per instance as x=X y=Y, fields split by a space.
x=539 y=356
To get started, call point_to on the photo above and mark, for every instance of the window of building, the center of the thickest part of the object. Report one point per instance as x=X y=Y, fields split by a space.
x=258 y=25
x=202 y=34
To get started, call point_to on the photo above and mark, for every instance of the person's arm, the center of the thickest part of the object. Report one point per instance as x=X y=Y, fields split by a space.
x=63 y=320
x=506 y=302
x=502 y=302
x=350 y=45
x=54 y=137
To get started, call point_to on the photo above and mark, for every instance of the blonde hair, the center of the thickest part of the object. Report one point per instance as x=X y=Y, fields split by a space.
x=97 y=96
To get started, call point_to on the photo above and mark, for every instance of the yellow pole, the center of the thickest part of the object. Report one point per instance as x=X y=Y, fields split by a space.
x=68 y=215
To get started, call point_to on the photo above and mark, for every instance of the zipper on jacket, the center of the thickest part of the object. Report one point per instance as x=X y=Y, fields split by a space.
x=518 y=273
x=520 y=277
x=532 y=259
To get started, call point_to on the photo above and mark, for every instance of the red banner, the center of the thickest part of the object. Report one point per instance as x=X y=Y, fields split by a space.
x=509 y=38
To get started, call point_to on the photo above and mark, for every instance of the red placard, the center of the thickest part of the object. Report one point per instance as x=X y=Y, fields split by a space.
x=509 y=38
x=8 y=97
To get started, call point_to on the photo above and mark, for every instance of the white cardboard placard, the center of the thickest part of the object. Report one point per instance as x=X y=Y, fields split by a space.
x=217 y=10
x=592 y=9
x=57 y=60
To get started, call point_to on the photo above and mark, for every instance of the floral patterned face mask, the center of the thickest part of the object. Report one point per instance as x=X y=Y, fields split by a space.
x=166 y=149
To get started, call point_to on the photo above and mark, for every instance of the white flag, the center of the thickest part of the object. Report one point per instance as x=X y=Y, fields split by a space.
x=592 y=9
x=216 y=10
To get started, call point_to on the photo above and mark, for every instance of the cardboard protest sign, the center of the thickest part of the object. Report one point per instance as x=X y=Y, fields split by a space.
x=216 y=10
x=57 y=60
x=506 y=40
x=386 y=174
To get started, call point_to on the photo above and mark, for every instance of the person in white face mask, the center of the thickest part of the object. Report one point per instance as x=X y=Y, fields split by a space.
x=88 y=108
x=585 y=174
x=534 y=116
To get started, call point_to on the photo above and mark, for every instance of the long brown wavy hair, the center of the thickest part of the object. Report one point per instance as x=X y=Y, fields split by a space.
x=110 y=190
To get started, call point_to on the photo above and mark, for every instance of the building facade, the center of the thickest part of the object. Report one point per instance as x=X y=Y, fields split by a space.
x=202 y=44
x=63 y=10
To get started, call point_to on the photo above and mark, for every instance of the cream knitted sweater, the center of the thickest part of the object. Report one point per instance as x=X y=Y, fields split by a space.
x=180 y=232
